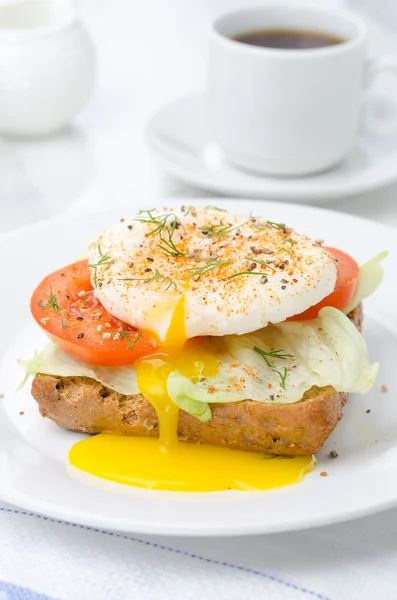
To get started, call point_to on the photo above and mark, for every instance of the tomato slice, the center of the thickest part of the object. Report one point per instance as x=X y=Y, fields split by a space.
x=64 y=305
x=346 y=282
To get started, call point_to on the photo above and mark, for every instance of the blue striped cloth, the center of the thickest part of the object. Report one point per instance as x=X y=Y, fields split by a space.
x=47 y=559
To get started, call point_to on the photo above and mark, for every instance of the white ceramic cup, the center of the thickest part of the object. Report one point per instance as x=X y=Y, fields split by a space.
x=289 y=112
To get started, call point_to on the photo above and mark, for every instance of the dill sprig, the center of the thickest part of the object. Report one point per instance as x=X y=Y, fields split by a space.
x=246 y=273
x=218 y=229
x=161 y=222
x=168 y=245
x=289 y=242
x=272 y=354
x=259 y=226
x=253 y=260
x=52 y=301
x=209 y=266
x=165 y=229
x=128 y=339
x=187 y=209
x=275 y=354
x=259 y=262
x=148 y=212
x=290 y=253
x=103 y=261
x=156 y=277
x=216 y=208
x=282 y=375
x=277 y=226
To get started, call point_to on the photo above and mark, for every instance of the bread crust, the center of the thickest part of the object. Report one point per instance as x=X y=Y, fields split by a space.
x=84 y=405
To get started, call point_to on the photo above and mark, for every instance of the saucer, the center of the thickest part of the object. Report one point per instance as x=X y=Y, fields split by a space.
x=179 y=137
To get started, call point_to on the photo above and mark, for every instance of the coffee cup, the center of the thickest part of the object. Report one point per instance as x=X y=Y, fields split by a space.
x=285 y=110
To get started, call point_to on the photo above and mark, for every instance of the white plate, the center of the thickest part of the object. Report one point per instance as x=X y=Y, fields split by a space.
x=33 y=450
x=179 y=137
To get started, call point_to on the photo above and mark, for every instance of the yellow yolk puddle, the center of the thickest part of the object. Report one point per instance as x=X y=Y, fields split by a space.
x=165 y=463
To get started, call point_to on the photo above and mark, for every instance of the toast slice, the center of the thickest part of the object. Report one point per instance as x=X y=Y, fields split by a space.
x=84 y=405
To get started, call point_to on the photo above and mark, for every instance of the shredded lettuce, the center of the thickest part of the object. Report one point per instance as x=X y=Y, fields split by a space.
x=325 y=351
x=53 y=361
x=369 y=278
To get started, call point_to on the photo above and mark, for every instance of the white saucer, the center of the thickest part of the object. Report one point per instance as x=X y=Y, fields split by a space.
x=179 y=137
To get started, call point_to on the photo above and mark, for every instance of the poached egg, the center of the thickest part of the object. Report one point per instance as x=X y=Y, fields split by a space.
x=236 y=274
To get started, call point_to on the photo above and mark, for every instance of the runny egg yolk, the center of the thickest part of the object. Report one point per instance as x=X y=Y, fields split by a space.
x=165 y=463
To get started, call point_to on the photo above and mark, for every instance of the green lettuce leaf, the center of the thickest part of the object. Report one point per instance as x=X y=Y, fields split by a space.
x=325 y=351
x=369 y=278
x=53 y=361
x=187 y=402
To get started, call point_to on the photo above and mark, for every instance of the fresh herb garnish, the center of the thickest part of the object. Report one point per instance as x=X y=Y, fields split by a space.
x=52 y=301
x=259 y=226
x=275 y=354
x=289 y=242
x=156 y=277
x=288 y=252
x=148 y=211
x=272 y=354
x=168 y=245
x=218 y=230
x=283 y=376
x=128 y=339
x=277 y=226
x=259 y=262
x=245 y=273
x=209 y=266
x=216 y=208
x=165 y=226
x=103 y=261
x=161 y=222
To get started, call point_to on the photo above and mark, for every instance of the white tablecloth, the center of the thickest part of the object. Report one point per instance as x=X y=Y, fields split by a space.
x=42 y=558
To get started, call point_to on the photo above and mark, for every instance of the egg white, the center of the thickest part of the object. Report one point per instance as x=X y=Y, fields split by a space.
x=141 y=283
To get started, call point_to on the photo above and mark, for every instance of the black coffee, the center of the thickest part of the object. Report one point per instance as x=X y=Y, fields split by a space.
x=288 y=39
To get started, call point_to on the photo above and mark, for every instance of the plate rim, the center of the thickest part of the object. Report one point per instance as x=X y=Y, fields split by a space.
x=198 y=531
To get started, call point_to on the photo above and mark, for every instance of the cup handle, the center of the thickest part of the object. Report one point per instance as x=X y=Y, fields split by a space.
x=380 y=113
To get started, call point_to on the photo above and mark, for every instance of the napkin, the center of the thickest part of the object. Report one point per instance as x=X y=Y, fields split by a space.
x=43 y=558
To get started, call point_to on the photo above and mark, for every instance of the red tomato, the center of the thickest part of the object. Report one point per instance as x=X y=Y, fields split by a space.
x=346 y=283
x=64 y=305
